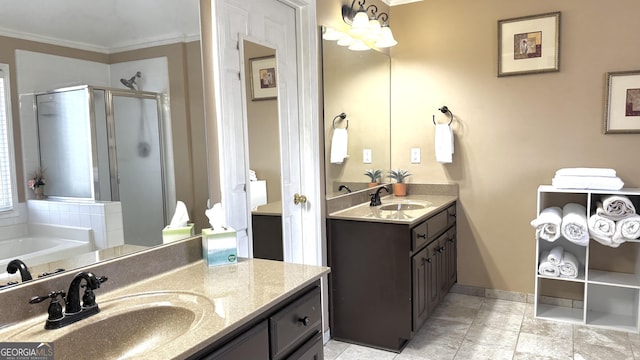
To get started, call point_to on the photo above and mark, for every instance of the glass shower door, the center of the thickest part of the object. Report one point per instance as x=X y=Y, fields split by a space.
x=139 y=175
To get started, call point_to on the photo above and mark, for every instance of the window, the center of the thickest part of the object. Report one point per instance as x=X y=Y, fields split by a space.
x=7 y=168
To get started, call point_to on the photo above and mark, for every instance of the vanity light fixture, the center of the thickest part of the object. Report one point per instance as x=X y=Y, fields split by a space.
x=368 y=27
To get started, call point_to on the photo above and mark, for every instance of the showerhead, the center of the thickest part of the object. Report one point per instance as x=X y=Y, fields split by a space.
x=131 y=83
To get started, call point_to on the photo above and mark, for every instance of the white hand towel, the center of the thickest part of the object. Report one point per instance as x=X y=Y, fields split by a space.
x=569 y=266
x=548 y=223
x=555 y=255
x=587 y=172
x=444 y=144
x=587 y=182
x=601 y=229
x=627 y=229
x=339 y=146
x=616 y=207
x=546 y=268
x=574 y=224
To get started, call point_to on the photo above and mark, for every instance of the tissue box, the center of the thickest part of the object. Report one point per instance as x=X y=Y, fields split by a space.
x=179 y=233
x=219 y=246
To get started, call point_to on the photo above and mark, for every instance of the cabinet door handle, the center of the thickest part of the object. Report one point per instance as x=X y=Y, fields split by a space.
x=421 y=236
x=450 y=240
x=441 y=249
x=305 y=321
x=427 y=260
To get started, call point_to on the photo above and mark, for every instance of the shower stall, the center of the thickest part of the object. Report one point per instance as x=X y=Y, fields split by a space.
x=103 y=144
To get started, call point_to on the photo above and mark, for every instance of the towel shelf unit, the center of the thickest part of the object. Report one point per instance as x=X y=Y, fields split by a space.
x=606 y=292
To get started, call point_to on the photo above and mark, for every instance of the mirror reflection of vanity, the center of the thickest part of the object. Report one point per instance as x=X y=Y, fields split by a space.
x=357 y=83
x=79 y=62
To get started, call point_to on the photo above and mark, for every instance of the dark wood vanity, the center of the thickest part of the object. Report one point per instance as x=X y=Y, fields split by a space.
x=386 y=278
x=290 y=330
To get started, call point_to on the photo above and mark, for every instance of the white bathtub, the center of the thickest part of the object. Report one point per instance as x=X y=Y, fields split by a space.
x=38 y=250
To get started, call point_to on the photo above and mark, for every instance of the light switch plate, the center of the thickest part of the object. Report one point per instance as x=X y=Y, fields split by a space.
x=366 y=156
x=415 y=155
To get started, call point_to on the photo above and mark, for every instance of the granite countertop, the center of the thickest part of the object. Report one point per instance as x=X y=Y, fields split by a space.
x=364 y=212
x=229 y=296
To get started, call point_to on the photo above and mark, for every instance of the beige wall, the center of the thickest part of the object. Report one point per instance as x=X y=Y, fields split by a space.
x=511 y=133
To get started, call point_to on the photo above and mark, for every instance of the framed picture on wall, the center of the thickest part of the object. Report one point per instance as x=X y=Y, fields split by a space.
x=263 y=78
x=622 y=103
x=529 y=44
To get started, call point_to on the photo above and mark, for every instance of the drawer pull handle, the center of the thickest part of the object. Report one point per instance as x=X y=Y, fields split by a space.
x=450 y=240
x=422 y=236
x=305 y=321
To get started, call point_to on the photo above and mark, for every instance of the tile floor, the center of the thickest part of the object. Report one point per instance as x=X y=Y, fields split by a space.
x=470 y=327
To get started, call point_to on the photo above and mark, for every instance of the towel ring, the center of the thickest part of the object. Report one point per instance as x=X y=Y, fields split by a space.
x=445 y=110
x=342 y=116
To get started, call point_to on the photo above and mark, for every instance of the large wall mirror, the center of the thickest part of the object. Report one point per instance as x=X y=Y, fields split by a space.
x=358 y=84
x=68 y=43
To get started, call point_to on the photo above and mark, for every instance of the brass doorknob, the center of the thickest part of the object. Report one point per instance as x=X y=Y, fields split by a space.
x=299 y=199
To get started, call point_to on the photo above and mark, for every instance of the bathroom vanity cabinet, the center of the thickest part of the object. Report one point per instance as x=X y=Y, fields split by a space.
x=290 y=330
x=606 y=292
x=386 y=278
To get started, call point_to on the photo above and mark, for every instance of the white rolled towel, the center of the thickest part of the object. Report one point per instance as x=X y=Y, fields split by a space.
x=569 y=266
x=555 y=255
x=546 y=268
x=627 y=229
x=616 y=207
x=548 y=223
x=601 y=228
x=574 y=224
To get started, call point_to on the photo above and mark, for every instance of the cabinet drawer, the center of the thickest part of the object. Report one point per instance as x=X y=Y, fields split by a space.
x=422 y=233
x=296 y=323
x=451 y=212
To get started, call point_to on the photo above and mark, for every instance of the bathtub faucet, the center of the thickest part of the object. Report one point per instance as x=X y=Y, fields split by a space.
x=18 y=265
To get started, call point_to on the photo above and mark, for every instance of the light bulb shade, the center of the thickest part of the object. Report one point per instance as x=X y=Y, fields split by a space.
x=360 y=24
x=386 y=39
x=345 y=40
x=358 y=45
x=375 y=32
x=331 y=34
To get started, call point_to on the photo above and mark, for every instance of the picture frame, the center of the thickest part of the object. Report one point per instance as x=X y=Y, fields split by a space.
x=263 y=78
x=622 y=102
x=529 y=44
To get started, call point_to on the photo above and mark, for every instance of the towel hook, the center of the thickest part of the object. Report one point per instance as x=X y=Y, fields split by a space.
x=445 y=110
x=342 y=116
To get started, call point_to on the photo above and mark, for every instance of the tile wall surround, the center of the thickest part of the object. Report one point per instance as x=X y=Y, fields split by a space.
x=360 y=197
x=122 y=271
x=105 y=218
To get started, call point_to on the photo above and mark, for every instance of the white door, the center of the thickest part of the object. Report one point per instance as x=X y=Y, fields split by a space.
x=275 y=24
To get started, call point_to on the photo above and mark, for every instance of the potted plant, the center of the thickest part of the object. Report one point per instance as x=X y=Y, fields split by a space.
x=374 y=176
x=400 y=187
x=36 y=183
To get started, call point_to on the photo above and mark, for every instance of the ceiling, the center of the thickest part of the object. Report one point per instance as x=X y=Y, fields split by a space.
x=105 y=26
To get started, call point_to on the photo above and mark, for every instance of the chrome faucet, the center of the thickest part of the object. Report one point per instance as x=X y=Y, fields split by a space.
x=73 y=310
x=375 y=197
x=18 y=265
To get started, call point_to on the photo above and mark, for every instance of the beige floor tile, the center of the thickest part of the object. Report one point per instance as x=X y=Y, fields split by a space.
x=531 y=325
x=500 y=318
x=583 y=351
x=474 y=351
x=357 y=352
x=543 y=346
x=437 y=339
x=333 y=349
x=497 y=338
x=601 y=337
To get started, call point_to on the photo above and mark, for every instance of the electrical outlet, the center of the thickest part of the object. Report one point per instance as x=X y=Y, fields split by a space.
x=366 y=156
x=415 y=155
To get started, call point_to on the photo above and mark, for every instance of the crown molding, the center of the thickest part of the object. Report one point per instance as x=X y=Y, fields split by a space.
x=399 y=2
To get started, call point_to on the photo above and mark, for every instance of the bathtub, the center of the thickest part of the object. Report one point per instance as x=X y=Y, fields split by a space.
x=39 y=244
